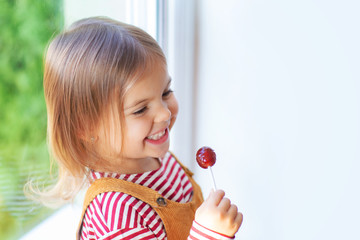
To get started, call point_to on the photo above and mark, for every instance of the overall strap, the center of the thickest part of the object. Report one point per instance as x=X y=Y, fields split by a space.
x=103 y=185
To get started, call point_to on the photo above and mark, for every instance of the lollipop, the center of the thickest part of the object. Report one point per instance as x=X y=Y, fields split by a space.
x=206 y=158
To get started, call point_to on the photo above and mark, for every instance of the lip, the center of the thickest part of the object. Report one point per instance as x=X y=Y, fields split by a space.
x=160 y=140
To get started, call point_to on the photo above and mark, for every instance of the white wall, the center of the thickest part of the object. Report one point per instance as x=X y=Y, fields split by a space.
x=278 y=99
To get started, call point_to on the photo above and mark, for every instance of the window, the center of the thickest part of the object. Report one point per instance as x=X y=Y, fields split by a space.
x=23 y=117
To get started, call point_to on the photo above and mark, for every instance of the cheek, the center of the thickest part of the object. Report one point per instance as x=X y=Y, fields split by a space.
x=174 y=109
x=137 y=130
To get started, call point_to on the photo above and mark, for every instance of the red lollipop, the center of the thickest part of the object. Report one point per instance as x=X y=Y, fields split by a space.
x=206 y=158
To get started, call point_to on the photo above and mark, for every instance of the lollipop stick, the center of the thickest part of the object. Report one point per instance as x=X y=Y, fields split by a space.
x=213 y=179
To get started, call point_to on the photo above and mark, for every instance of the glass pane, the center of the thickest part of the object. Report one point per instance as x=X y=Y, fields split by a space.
x=26 y=27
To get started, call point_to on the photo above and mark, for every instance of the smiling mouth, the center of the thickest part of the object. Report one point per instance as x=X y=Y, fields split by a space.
x=157 y=136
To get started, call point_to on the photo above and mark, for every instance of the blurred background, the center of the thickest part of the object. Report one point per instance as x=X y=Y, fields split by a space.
x=272 y=86
x=25 y=28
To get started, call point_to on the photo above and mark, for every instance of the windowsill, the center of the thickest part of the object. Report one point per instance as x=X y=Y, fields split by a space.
x=60 y=225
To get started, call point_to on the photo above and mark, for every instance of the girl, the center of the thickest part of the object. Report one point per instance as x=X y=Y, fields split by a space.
x=110 y=109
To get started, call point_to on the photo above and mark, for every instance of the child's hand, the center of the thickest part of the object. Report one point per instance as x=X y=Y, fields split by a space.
x=218 y=214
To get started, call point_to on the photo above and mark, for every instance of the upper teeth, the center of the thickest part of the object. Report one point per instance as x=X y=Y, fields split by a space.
x=156 y=136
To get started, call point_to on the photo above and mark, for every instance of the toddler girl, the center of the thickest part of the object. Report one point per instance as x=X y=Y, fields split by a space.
x=110 y=109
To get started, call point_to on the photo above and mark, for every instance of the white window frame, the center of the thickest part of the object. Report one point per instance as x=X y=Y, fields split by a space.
x=180 y=49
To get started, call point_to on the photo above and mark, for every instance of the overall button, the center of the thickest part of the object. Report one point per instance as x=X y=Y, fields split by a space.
x=161 y=201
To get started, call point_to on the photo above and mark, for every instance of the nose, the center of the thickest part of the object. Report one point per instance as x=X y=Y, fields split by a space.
x=163 y=113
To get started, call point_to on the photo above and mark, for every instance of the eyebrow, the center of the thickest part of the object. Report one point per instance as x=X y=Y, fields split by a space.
x=144 y=100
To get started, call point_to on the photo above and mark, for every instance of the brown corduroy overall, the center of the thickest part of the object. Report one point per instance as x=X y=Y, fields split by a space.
x=176 y=217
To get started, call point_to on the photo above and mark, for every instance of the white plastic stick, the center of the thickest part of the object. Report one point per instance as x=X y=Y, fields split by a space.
x=213 y=179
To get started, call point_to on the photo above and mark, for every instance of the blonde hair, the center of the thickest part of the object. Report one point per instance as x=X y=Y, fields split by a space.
x=86 y=67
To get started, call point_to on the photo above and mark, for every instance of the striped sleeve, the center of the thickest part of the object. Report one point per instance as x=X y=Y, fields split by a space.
x=116 y=215
x=198 y=232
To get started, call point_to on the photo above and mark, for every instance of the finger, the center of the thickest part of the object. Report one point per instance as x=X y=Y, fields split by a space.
x=239 y=219
x=233 y=212
x=215 y=197
x=225 y=204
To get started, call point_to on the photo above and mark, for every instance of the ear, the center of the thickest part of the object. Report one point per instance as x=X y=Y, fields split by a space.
x=86 y=136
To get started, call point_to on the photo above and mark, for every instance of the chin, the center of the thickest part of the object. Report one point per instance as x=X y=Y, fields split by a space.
x=162 y=153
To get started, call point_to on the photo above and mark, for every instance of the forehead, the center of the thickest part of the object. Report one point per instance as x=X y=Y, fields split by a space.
x=152 y=81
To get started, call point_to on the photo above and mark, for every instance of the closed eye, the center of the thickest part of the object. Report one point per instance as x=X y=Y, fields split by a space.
x=167 y=93
x=140 y=111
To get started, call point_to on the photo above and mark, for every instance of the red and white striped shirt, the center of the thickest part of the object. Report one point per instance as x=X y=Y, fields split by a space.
x=116 y=215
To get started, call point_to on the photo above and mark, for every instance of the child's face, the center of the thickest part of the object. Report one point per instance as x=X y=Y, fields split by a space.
x=150 y=110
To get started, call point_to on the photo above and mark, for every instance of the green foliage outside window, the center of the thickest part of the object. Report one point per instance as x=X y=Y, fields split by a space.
x=25 y=28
